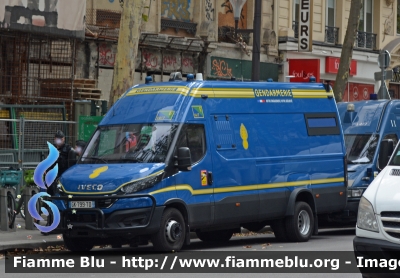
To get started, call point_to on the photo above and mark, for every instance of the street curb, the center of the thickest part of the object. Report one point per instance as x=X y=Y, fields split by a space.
x=11 y=245
x=243 y=231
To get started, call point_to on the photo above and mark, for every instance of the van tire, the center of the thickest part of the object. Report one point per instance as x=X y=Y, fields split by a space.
x=279 y=228
x=171 y=235
x=300 y=226
x=77 y=244
x=215 y=236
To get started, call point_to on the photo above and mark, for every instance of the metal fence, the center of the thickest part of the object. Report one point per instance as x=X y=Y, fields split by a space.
x=26 y=145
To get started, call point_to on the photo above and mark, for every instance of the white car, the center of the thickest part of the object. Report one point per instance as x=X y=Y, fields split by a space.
x=378 y=220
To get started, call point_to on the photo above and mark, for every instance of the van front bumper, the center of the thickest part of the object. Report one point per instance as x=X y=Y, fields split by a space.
x=376 y=249
x=93 y=222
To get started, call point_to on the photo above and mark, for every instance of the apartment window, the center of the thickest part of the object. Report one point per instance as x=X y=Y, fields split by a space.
x=330 y=13
x=296 y=10
x=366 y=17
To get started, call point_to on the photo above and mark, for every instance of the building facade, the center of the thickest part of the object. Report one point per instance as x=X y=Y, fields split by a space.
x=377 y=30
x=194 y=36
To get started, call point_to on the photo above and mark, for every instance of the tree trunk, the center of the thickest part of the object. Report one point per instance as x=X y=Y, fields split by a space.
x=128 y=41
x=347 y=50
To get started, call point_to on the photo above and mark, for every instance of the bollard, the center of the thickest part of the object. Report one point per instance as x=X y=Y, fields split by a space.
x=28 y=192
x=4 y=209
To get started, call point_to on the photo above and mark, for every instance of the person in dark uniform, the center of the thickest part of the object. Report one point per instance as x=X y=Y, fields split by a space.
x=62 y=161
x=76 y=152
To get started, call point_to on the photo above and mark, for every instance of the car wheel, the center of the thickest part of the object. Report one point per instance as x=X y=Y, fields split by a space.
x=299 y=227
x=171 y=235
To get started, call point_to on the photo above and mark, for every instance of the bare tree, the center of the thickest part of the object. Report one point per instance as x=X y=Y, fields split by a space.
x=347 y=49
x=128 y=41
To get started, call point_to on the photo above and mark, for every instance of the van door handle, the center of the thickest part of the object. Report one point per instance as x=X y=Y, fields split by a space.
x=210 y=178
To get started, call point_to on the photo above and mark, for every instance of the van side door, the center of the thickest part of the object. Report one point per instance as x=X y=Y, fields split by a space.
x=195 y=187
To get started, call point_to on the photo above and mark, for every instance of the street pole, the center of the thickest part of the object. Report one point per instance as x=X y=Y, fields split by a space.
x=256 y=42
x=383 y=63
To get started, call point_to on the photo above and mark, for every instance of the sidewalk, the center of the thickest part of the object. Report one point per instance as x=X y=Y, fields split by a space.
x=27 y=239
x=33 y=239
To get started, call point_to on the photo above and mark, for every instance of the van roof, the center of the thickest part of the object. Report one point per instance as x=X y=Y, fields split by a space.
x=181 y=85
x=367 y=116
x=144 y=103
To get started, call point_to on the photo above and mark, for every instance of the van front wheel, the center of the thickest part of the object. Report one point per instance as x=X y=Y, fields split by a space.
x=171 y=235
x=299 y=227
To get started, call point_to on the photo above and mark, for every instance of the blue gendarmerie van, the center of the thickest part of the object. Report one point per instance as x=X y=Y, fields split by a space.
x=208 y=157
x=367 y=126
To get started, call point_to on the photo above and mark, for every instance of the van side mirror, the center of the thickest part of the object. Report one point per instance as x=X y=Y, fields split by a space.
x=385 y=151
x=184 y=159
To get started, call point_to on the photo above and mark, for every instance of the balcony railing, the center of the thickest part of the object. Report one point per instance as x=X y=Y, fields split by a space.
x=295 y=27
x=227 y=34
x=177 y=25
x=331 y=34
x=365 y=40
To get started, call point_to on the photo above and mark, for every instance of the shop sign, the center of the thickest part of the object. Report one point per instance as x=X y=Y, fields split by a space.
x=303 y=69
x=305 y=26
x=225 y=68
x=332 y=65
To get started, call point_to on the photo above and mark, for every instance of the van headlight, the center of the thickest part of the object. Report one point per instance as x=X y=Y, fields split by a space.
x=366 y=218
x=141 y=184
x=354 y=193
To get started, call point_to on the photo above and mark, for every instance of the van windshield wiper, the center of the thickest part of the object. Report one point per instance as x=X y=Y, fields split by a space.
x=97 y=158
x=131 y=159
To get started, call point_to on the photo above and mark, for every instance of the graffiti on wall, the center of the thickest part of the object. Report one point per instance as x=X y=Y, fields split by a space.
x=227 y=18
x=220 y=68
x=170 y=62
x=106 y=55
x=209 y=10
x=176 y=9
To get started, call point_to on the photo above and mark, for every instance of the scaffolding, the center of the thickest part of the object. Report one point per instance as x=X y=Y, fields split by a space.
x=36 y=69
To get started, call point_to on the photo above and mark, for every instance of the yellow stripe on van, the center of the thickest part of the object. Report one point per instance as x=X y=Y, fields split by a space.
x=218 y=190
x=245 y=187
x=159 y=90
x=220 y=92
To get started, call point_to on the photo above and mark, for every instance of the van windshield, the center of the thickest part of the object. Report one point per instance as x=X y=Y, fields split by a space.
x=360 y=148
x=130 y=143
x=396 y=157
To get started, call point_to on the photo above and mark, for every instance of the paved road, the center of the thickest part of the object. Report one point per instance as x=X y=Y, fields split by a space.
x=327 y=240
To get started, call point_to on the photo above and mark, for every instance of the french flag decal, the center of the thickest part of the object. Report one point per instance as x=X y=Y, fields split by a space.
x=261 y=100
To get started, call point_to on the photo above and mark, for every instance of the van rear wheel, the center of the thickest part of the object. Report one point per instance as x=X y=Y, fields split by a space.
x=171 y=235
x=214 y=236
x=299 y=227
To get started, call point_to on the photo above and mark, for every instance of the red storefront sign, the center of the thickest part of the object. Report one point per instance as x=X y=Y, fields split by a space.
x=332 y=65
x=303 y=69
x=356 y=91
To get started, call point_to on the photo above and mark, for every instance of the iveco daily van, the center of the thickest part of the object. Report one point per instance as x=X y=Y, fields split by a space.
x=207 y=157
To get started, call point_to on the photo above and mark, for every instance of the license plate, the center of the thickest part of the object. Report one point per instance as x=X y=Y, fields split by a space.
x=81 y=204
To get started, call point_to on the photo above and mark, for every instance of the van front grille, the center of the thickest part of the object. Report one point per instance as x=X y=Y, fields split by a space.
x=391 y=223
x=395 y=172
